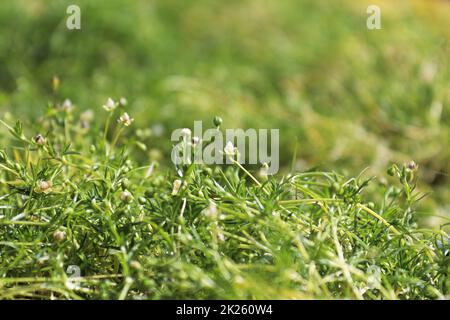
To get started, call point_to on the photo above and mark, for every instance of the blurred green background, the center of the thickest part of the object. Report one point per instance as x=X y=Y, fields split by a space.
x=352 y=98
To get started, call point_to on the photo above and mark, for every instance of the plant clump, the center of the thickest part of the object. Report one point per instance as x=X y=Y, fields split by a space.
x=82 y=196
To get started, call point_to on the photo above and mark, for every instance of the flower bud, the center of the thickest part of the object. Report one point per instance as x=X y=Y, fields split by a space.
x=195 y=141
x=123 y=102
x=391 y=171
x=125 y=196
x=55 y=83
x=412 y=166
x=59 y=235
x=176 y=187
x=135 y=265
x=67 y=105
x=217 y=121
x=44 y=186
x=39 y=140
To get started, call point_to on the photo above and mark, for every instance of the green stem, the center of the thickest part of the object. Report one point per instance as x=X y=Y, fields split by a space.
x=249 y=174
x=376 y=215
x=359 y=205
x=116 y=138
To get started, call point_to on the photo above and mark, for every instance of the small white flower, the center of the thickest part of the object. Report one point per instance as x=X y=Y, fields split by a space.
x=195 y=141
x=126 y=120
x=88 y=115
x=123 y=101
x=110 y=105
x=186 y=132
x=229 y=149
x=86 y=118
x=67 y=105
x=264 y=171
x=211 y=212
x=157 y=129
x=221 y=237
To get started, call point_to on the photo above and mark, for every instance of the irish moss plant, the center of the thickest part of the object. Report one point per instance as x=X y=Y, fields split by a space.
x=84 y=215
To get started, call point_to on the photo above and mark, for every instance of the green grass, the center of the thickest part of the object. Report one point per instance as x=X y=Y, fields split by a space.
x=351 y=105
x=73 y=197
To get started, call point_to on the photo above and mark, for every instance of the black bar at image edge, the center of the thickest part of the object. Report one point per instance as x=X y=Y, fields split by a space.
x=224 y=309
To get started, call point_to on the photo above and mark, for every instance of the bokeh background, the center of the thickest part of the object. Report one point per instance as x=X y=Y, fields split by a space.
x=348 y=97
